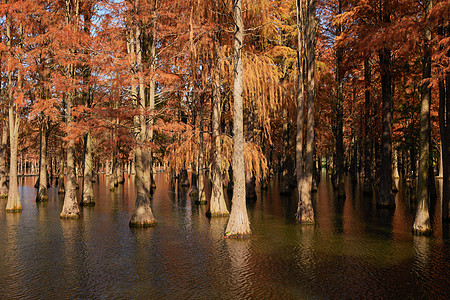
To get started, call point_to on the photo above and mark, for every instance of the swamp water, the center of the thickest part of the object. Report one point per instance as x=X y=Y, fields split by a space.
x=355 y=251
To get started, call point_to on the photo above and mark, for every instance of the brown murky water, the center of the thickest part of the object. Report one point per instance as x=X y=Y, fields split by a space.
x=355 y=251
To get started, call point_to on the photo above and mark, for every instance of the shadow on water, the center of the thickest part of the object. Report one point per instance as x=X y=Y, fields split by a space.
x=353 y=251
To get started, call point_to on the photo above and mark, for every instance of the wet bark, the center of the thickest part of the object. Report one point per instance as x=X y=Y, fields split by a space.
x=238 y=224
x=217 y=205
x=422 y=223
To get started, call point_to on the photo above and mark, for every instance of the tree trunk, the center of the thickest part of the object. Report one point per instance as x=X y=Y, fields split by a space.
x=13 y=204
x=112 y=178
x=42 y=194
x=441 y=159
x=142 y=214
x=88 y=188
x=217 y=206
x=3 y=176
x=284 y=179
x=238 y=224
x=201 y=200
x=368 y=146
x=120 y=171
x=395 y=173
x=385 y=197
x=444 y=126
x=339 y=117
x=70 y=208
x=422 y=222
x=151 y=97
x=305 y=211
x=184 y=178
x=61 y=185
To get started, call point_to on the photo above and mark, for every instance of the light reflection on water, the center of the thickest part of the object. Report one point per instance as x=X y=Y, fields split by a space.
x=354 y=250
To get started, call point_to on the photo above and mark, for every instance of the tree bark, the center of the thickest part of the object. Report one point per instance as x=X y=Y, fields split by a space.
x=238 y=224
x=3 y=176
x=13 y=204
x=444 y=125
x=305 y=211
x=61 y=185
x=151 y=98
x=385 y=197
x=217 y=206
x=339 y=116
x=88 y=188
x=42 y=194
x=441 y=159
x=113 y=177
x=201 y=200
x=70 y=208
x=284 y=180
x=422 y=223
x=142 y=215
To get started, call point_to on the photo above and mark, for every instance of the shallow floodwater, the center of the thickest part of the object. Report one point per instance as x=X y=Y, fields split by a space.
x=354 y=251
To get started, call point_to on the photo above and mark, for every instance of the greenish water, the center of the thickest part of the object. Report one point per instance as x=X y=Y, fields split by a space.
x=355 y=251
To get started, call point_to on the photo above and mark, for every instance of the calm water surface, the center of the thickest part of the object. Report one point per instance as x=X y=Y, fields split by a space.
x=354 y=251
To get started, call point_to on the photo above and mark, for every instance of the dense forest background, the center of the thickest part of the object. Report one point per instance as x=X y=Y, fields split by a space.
x=239 y=91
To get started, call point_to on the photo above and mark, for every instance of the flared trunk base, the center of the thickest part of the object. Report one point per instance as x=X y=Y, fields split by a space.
x=143 y=217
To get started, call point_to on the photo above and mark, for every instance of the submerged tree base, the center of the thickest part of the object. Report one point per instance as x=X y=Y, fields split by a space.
x=68 y=216
x=88 y=203
x=202 y=202
x=41 y=198
x=305 y=222
x=143 y=225
x=210 y=214
x=4 y=196
x=423 y=232
x=237 y=235
x=14 y=210
x=143 y=217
